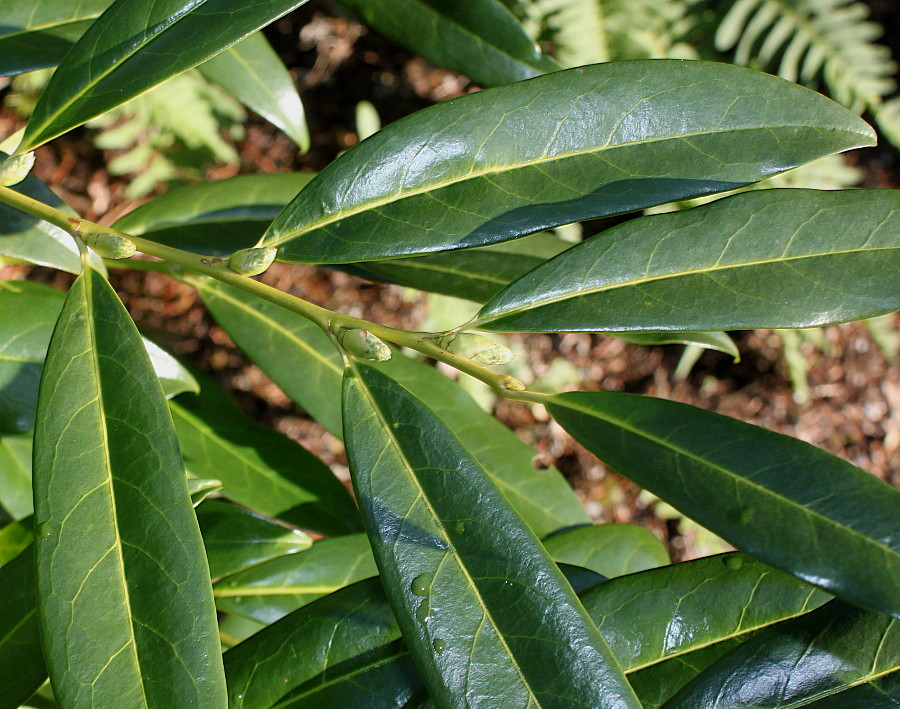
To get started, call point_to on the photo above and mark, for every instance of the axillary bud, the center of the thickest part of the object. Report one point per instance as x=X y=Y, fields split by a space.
x=363 y=344
x=478 y=348
x=110 y=246
x=252 y=262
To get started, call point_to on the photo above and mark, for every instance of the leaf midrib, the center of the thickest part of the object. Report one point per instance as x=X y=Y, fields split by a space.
x=724 y=471
x=534 y=304
x=24 y=31
x=368 y=206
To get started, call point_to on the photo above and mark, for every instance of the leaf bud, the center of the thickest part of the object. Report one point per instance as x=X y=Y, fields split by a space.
x=110 y=245
x=478 y=348
x=252 y=262
x=364 y=345
x=15 y=169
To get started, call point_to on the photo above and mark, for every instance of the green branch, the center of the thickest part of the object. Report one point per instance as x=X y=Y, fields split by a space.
x=329 y=320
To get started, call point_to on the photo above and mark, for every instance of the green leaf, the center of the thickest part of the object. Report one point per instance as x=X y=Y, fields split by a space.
x=338 y=642
x=883 y=693
x=215 y=218
x=282 y=344
x=14 y=538
x=122 y=579
x=543 y=498
x=22 y=668
x=573 y=145
x=132 y=47
x=253 y=72
x=826 y=651
x=661 y=613
x=259 y=467
x=272 y=589
x=199 y=489
x=173 y=376
x=236 y=539
x=479 y=38
x=37 y=34
x=769 y=258
x=28 y=312
x=15 y=475
x=718 y=341
x=609 y=549
x=782 y=500
x=455 y=559
x=30 y=239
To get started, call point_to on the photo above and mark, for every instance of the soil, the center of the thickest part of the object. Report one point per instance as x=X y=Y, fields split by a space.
x=853 y=409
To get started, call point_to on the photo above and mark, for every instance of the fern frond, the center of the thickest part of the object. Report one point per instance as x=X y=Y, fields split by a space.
x=811 y=38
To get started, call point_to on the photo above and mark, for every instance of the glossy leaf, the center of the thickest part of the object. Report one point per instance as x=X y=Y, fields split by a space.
x=236 y=539
x=15 y=475
x=782 y=500
x=122 y=579
x=572 y=145
x=543 y=498
x=215 y=218
x=662 y=613
x=769 y=258
x=454 y=557
x=831 y=649
x=37 y=34
x=272 y=589
x=30 y=239
x=253 y=72
x=135 y=45
x=22 y=668
x=28 y=312
x=15 y=538
x=479 y=38
x=658 y=683
x=883 y=693
x=267 y=333
x=339 y=639
x=609 y=549
x=259 y=467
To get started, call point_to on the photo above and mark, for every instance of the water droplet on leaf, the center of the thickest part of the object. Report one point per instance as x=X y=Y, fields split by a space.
x=459 y=527
x=438 y=646
x=44 y=530
x=733 y=562
x=421 y=585
x=423 y=612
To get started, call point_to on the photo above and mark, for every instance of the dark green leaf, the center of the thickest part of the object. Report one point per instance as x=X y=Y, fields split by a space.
x=455 y=558
x=882 y=693
x=580 y=578
x=215 y=218
x=28 y=312
x=342 y=639
x=478 y=38
x=768 y=258
x=826 y=651
x=22 y=668
x=778 y=498
x=259 y=467
x=236 y=539
x=542 y=497
x=609 y=549
x=132 y=47
x=253 y=72
x=122 y=579
x=14 y=538
x=15 y=475
x=38 y=33
x=661 y=613
x=656 y=684
x=282 y=344
x=572 y=145
x=272 y=589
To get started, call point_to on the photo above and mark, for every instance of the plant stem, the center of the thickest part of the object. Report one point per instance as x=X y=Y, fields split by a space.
x=217 y=268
